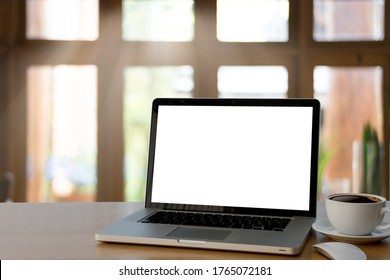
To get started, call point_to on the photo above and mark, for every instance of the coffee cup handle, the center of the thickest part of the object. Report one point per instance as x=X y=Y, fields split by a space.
x=384 y=210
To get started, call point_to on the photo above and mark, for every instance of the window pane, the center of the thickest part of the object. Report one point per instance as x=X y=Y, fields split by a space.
x=351 y=97
x=158 y=20
x=253 y=81
x=62 y=19
x=142 y=85
x=252 y=20
x=349 y=20
x=62 y=145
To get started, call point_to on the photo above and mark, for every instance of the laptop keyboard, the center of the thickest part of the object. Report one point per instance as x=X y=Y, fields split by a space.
x=217 y=220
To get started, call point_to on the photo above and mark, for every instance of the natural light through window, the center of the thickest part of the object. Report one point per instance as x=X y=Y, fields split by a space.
x=252 y=21
x=62 y=133
x=142 y=85
x=62 y=19
x=351 y=98
x=253 y=81
x=158 y=20
x=349 y=20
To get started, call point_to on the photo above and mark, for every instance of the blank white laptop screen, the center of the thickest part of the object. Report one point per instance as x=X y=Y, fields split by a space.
x=256 y=157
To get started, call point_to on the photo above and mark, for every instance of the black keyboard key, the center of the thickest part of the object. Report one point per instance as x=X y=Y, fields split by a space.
x=217 y=220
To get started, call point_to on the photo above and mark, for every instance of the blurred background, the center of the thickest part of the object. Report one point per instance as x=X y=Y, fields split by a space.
x=77 y=78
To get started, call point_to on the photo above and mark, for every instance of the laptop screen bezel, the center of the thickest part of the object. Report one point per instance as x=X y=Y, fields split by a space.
x=313 y=103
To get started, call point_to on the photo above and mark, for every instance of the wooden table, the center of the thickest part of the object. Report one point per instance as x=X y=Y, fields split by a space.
x=66 y=231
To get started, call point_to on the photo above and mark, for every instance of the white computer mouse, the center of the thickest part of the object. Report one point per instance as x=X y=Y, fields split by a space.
x=340 y=251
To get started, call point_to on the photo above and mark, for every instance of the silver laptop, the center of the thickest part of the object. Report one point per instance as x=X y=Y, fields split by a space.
x=228 y=174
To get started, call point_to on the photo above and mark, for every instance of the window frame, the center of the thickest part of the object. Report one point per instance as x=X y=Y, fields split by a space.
x=111 y=55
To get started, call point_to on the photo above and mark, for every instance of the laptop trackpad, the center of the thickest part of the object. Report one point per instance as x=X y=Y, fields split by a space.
x=199 y=234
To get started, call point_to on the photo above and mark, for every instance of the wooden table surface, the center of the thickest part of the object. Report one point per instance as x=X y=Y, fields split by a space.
x=67 y=231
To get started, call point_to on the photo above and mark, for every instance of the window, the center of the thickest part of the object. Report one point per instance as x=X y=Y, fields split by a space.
x=349 y=20
x=351 y=98
x=62 y=19
x=252 y=21
x=253 y=81
x=142 y=85
x=112 y=58
x=158 y=20
x=62 y=132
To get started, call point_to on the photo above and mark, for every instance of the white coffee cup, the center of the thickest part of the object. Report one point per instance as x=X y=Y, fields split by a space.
x=356 y=213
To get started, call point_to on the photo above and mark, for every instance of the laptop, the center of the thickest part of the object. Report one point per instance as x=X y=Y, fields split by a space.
x=228 y=174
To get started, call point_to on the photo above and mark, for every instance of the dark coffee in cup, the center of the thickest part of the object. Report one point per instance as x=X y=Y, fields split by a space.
x=356 y=198
x=356 y=213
